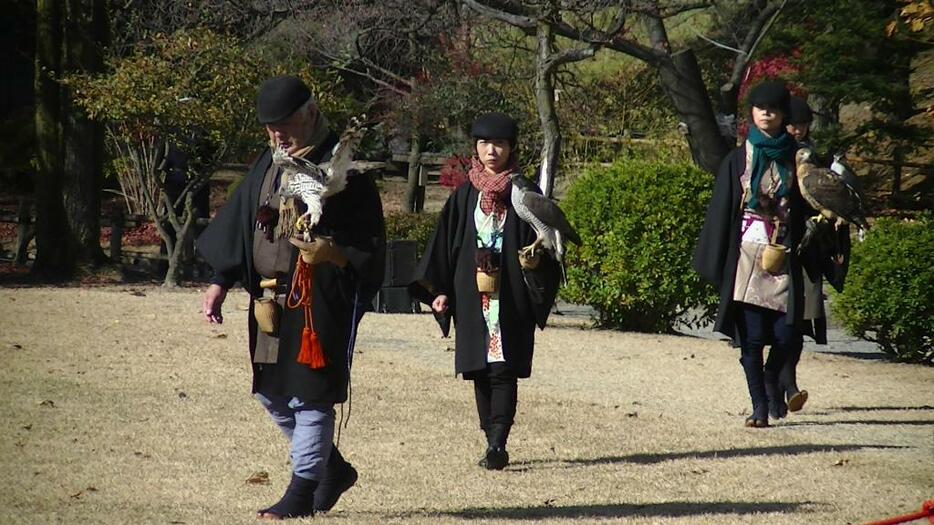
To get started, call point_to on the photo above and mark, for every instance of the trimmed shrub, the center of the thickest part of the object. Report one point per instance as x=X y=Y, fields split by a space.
x=416 y=227
x=889 y=293
x=639 y=222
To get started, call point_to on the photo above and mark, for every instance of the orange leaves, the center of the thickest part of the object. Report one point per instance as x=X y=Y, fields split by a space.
x=917 y=15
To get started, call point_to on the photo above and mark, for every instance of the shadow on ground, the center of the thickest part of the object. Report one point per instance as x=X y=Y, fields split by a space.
x=883 y=408
x=649 y=459
x=621 y=510
x=889 y=422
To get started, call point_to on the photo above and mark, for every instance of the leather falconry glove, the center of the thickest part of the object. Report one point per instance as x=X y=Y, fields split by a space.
x=320 y=250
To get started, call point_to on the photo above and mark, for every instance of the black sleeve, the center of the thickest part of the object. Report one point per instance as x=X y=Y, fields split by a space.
x=434 y=275
x=221 y=243
x=714 y=241
x=542 y=284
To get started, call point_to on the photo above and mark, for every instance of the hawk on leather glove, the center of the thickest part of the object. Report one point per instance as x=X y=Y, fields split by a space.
x=544 y=216
x=312 y=183
x=829 y=193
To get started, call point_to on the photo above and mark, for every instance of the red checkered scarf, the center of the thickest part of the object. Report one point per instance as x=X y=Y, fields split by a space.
x=494 y=189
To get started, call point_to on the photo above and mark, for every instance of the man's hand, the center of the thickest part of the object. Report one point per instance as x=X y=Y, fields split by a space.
x=211 y=304
x=440 y=304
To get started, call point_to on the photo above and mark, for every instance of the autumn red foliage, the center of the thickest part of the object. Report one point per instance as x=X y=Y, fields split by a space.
x=143 y=235
x=454 y=171
x=768 y=68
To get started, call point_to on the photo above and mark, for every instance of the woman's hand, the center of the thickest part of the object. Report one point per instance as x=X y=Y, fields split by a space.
x=440 y=304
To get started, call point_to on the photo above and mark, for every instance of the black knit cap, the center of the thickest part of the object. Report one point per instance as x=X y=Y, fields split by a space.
x=279 y=97
x=495 y=126
x=799 y=112
x=771 y=94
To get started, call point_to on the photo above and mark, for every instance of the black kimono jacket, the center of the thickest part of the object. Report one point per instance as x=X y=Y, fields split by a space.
x=448 y=267
x=354 y=218
x=717 y=251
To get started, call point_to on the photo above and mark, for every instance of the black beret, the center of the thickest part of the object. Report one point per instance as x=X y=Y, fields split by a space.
x=279 y=97
x=495 y=126
x=799 y=112
x=771 y=94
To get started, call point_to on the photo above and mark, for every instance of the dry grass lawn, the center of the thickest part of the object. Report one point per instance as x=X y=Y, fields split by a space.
x=120 y=406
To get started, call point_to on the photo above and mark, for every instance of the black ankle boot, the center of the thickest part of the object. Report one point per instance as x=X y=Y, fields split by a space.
x=496 y=457
x=338 y=477
x=297 y=502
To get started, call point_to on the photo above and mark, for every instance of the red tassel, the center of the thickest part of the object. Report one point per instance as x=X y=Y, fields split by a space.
x=311 y=353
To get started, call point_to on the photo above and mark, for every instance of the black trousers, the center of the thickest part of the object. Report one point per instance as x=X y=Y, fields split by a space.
x=758 y=327
x=496 y=390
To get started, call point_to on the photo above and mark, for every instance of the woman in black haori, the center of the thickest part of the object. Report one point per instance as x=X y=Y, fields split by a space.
x=472 y=272
x=747 y=249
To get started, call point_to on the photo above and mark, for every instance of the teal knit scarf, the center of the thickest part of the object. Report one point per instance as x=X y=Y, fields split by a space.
x=764 y=151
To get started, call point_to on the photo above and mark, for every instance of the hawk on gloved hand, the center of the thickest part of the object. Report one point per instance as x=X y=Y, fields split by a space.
x=829 y=193
x=543 y=215
x=311 y=182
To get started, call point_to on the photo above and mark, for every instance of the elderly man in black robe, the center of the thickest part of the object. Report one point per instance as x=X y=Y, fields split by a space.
x=472 y=271
x=247 y=242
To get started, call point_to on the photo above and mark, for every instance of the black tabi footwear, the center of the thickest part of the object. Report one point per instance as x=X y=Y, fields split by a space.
x=297 y=502
x=334 y=485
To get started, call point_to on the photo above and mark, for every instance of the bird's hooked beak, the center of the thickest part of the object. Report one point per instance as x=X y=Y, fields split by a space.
x=803 y=155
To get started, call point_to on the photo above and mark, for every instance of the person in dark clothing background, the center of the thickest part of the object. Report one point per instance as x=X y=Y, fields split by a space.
x=249 y=241
x=747 y=248
x=820 y=261
x=472 y=271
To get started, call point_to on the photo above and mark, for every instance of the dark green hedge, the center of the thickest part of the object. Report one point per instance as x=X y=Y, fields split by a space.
x=639 y=222
x=416 y=227
x=889 y=293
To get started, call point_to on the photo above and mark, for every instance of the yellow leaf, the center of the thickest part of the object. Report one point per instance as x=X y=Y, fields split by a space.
x=890 y=28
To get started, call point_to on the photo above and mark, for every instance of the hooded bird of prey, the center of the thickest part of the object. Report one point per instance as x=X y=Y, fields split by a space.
x=829 y=193
x=311 y=182
x=543 y=215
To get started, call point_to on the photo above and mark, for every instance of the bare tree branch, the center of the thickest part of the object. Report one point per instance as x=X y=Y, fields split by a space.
x=616 y=41
x=754 y=35
x=670 y=11
x=569 y=55
x=513 y=19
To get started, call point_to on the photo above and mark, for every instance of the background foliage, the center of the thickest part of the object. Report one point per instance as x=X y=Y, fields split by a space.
x=416 y=227
x=889 y=293
x=639 y=222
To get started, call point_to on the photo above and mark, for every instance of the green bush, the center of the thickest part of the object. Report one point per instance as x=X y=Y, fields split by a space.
x=416 y=227
x=889 y=293
x=639 y=222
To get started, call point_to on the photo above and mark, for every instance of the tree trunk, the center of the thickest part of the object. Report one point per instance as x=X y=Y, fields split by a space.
x=898 y=157
x=826 y=112
x=682 y=81
x=53 y=258
x=82 y=139
x=545 y=103
x=411 y=192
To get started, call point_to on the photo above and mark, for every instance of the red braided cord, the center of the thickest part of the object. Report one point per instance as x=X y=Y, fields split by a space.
x=927 y=511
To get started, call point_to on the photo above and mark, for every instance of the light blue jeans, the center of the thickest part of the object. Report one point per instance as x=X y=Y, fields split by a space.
x=309 y=429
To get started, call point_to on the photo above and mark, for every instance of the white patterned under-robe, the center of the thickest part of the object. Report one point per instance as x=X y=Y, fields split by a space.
x=490 y=235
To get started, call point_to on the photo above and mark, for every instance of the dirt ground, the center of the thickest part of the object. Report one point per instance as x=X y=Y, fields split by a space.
x=121 y=406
